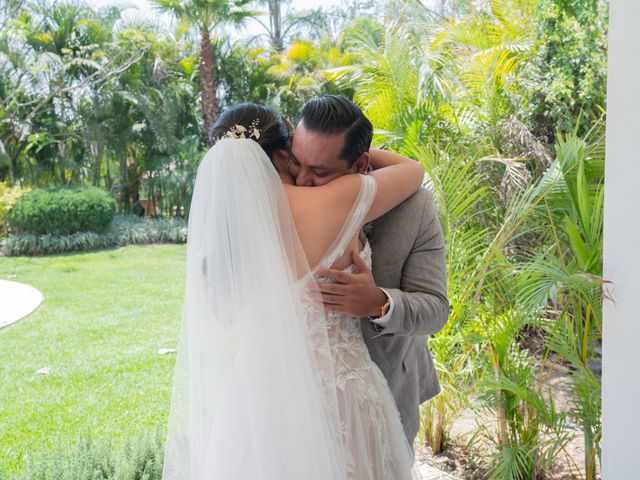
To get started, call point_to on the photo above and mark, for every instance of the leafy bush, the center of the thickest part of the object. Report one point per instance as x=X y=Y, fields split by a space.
x=139 y=459
x=566 y=78
x=124 y=230
x=132 y=230
x=63 y=211
x=32 y=244
x=9 y=195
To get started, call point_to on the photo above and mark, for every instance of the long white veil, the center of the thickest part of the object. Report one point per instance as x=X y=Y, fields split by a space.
x=254 y=393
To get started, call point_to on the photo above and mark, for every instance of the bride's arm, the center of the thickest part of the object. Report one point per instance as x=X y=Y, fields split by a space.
x=329 y=205
x=397 y=178
x=379 y=158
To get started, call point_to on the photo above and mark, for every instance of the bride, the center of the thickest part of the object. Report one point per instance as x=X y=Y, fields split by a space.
x=266 y=384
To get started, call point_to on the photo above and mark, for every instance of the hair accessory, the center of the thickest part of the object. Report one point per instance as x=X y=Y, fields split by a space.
x=240 y=131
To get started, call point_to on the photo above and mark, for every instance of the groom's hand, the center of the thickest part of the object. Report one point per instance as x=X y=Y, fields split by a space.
x=355 y=294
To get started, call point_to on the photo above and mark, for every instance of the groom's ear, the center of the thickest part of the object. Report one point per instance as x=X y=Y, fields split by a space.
x=361 y=165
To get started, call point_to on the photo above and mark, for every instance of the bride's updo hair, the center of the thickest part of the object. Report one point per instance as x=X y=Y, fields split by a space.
x=274 y=130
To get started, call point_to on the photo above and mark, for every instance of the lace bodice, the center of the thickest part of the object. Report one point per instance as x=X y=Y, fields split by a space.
x=348 y=349
x=359 y=382
x=371 y=429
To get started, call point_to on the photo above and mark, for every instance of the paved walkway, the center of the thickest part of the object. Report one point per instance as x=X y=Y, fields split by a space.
x=17 y=300
x=428 y=472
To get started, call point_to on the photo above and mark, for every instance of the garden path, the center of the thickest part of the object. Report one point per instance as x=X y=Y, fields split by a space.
x=428 y=472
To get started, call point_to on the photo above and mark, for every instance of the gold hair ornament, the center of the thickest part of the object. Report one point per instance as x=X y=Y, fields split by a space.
x=240 y=131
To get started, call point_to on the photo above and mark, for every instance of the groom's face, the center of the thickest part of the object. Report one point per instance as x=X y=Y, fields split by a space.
x=316 y=157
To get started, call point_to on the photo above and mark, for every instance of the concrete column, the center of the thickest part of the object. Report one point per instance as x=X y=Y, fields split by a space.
x=621 y=343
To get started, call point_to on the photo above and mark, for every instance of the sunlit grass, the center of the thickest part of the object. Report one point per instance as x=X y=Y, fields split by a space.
x=104 y=317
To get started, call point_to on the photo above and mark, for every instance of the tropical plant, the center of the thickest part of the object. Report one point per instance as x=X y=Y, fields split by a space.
x=139 y=119
x=400 y=84
x=123 y=230
x=54 y=56
x=281 y=25
x=275 y=30
x=171 y=183
x=8 y=197
x=460 y=193
x=530 y=430
x=206 y=16
x=486 y=50
x=563 y=280
x=565 y=79
x=479 y=234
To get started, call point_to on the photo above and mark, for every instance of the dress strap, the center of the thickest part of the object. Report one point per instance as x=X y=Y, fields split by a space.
x=353 y=222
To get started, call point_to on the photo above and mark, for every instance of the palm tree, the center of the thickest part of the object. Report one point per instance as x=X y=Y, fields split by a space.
x=275 y=29
x=399 y=82
x=286 y=25
x=563 y=282
x=52 y=57
x=487 y=51
x=206 y=15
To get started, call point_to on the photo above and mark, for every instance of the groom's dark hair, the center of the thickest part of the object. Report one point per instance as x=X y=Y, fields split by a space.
x=333 y=114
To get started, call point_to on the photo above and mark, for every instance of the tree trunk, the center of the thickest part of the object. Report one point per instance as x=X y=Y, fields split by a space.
x=96 y=171
x=276 y=25
x=208 y=83
x=63 y=179
x=13 y=159
x=107 y=176
x=133 y=178
x=13 y=169
x=503 y=431
x=125 y=204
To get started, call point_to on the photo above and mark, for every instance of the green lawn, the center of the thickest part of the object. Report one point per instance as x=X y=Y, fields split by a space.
x=104 y=317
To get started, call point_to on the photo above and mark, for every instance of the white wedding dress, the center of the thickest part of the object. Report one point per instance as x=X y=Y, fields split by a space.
x=266 y=385
x=375 y=444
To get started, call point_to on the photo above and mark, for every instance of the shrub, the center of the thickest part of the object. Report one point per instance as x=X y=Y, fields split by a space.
x=63 y=211
x=124 y=230
x=9 y=195
x=132 y=230
x=32 y=244
x=139 y=459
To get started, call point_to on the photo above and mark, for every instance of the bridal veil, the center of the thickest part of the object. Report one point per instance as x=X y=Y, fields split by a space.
x=254 y=393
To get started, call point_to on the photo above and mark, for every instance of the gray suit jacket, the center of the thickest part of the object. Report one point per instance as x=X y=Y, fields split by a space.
x=409 y=263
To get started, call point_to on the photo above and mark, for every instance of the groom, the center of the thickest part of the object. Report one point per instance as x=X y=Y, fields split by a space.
x=405 y=293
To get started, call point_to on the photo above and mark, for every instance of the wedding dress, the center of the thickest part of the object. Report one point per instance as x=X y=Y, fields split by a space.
x=375 y=444
x=266 y=385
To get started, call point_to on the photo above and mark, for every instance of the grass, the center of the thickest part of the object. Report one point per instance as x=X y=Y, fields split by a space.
x=104 y=317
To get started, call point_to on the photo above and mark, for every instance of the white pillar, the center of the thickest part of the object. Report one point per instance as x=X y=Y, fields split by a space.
x=621 y=336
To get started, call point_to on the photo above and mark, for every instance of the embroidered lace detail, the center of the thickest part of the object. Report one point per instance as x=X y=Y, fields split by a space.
x=363 y=388
x=370 y=425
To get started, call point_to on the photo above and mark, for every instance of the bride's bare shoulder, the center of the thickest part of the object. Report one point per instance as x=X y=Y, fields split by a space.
x=320 y=212
x=342 y=189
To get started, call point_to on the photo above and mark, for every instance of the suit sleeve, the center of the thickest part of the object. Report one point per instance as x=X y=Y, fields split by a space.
x=421 y=306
